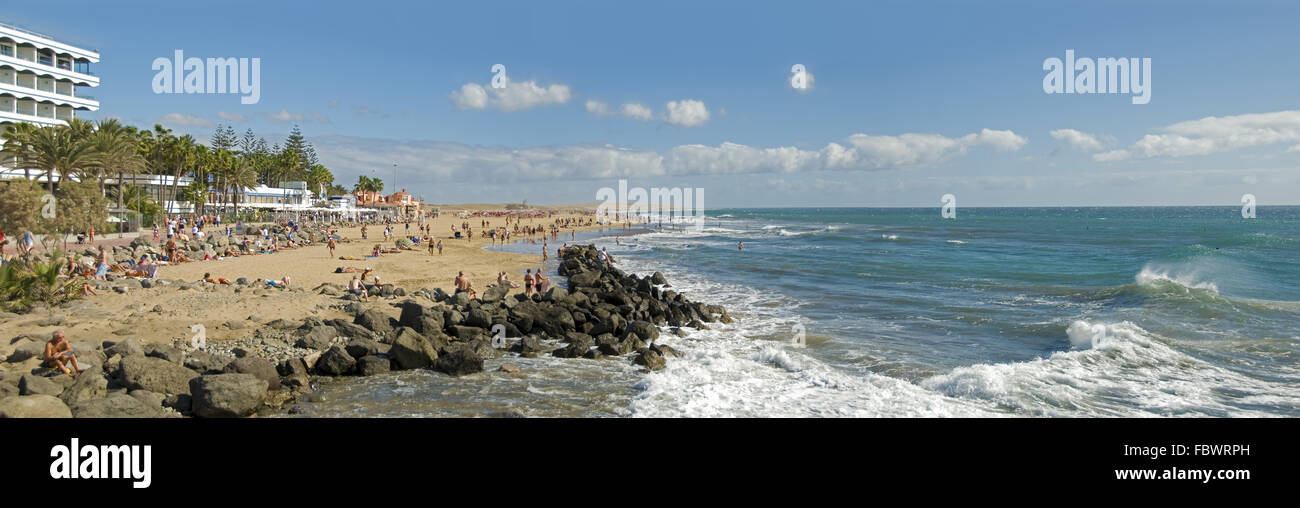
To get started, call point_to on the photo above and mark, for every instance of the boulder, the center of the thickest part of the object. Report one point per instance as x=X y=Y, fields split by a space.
x=478 y=318
x=205 y=362
x=169 y=353
x=34 y=406
x=125 y=348
x=118 y=405
x=26 y=350
x=371 y=365
x=90 y=385
x=495 y=293
x=412 y=351
x=423 y=319
x=336 y=362
x=650 y=359
x=360 y=347
x=459 y=361
x=31 y=384
x=645 y=330
x=183 y=404
x=140 y=372
x=226 y=395
x=375 y=322
x=530 y=346
x=150 y=399
x=259 y=367
x=319 y=338
x=295 y=372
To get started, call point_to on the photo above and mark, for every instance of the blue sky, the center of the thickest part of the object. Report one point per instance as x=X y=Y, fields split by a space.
x=910 y=100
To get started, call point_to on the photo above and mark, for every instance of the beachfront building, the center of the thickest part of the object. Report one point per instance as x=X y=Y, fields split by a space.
x=399 y=205
x=42 y=81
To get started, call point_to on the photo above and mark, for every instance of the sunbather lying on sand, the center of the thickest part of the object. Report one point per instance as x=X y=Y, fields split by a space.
x=207 y=277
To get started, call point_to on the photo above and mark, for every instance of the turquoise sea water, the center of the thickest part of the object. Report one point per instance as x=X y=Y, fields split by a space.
x=1176 y=311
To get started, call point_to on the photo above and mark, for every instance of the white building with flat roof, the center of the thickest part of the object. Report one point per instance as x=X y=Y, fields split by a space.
x=41 y=79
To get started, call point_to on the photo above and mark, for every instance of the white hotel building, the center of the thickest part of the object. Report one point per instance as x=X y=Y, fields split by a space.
x=41 y=79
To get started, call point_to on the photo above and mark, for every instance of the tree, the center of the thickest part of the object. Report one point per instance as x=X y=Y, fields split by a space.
x=79 y=208
x=18 y=146
x=365 y=183
x=20 y=205
x=62 y=150
x=319 y=177
x=116 y=147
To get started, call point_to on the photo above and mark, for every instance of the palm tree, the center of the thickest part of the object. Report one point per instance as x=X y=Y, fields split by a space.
x=62 y=150
x=17 y=144
x=241 y=176
x=116 y=147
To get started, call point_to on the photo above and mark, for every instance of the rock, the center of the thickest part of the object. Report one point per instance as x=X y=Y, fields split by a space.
x=295 y=372
x=666 y=351
x=235 y=325
x=509 y=368
x=88 y=386
x=115 y=406
x=26 y=351
x=7 y=390
x=610 y=345
x=555 y=294
x=371 y=365
x=478 y=318
x=183 y=404
x=259 y=367
x=359 y=347
x=169 y=353
x=34 y=406
x=495 y=293
x=651 y=359
x=645 y=330
x=140 y=372
x=412 y=351
x=150 y=399
x=459 y=299
x=31 y=384
x=658 y=279
x=226 y=395
x=467 y=333
x=126 y=348
x=205 y=362
x=424 y=320
x=336 y=362
x=530 y=346
x=374 y=321
x=318 y=338
x=459 y=361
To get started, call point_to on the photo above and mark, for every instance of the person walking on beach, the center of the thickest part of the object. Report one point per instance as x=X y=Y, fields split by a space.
x=439 y=246
x=58 y=351
x=332 y=245
x=101 y=271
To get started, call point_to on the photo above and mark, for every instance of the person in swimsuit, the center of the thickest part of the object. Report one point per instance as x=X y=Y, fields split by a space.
x=58 y=352
x=530 y=283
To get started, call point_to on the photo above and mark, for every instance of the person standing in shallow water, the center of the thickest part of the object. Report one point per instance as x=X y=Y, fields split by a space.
x=740 y=246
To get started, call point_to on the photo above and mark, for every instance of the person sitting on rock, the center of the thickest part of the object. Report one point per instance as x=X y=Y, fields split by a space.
x=463 y=285
x=58 y=351
x=357 y=288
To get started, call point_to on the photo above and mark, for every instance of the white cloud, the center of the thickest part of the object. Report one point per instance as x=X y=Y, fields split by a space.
x=184 y=120
x=513 y=97
x=284 y=116
x=1214 y=134
x=686 y=113
x=596 y=107
x=1078 y=139
x=631 y=110
x=231 y=117
x=442 y=162
x=637 y=111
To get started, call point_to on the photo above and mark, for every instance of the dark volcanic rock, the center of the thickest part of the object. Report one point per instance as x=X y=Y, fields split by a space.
x=375 y=322
x=459 y=361
x=336 y=362
x=259 y=367
x=140 y=372
x=226 y=395
x=371 y=365
x=412 y=351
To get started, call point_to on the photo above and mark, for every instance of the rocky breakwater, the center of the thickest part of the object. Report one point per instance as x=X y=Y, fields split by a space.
x=604 y=314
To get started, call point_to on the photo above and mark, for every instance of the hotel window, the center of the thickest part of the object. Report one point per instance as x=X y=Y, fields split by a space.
x=44 y=59
x=6 y=50
x=81 y=67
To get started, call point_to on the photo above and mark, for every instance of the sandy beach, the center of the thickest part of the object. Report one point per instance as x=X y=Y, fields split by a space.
x=163 y=315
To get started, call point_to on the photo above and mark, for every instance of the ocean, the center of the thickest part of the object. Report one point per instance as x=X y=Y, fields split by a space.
x=866 y=312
